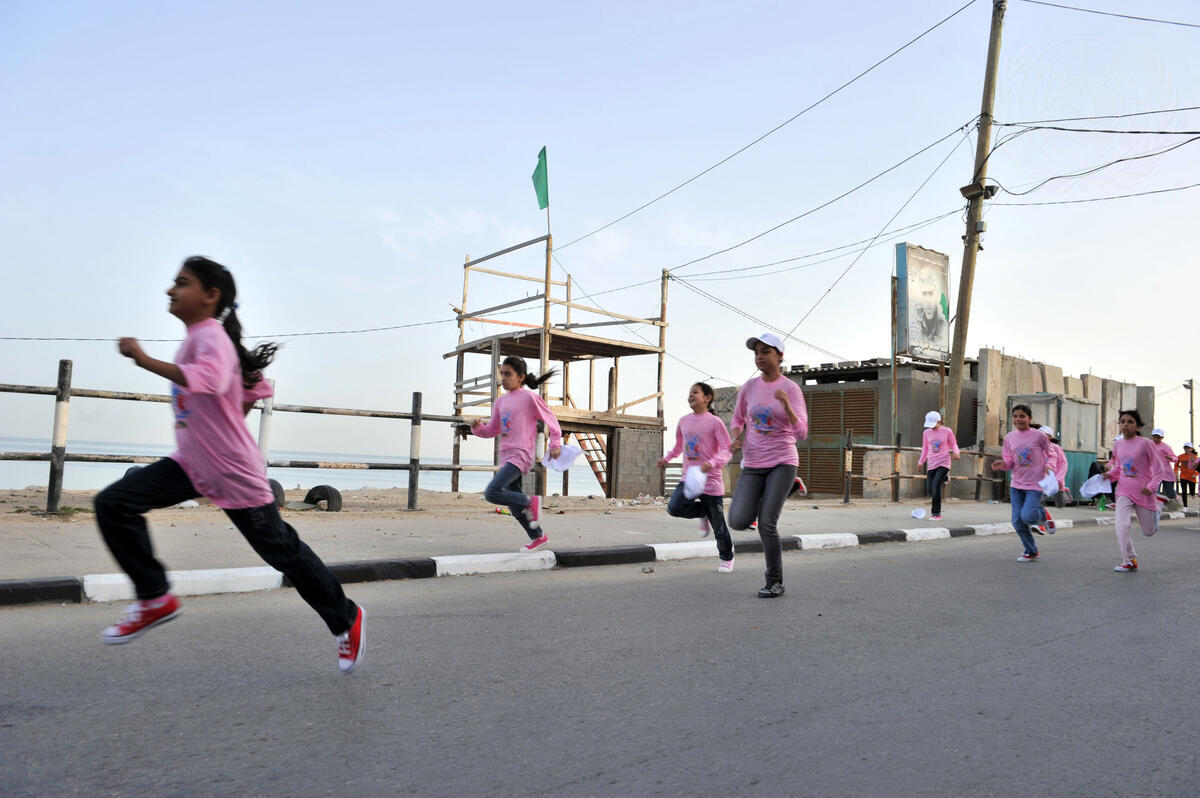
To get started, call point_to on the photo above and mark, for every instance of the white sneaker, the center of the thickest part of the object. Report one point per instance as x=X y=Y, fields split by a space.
x=726 y=567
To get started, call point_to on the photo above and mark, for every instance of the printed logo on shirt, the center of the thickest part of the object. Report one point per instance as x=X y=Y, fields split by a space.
x=936 y=446
x=179 y=404
x=505 y=423
x=1128 y=468
x=760 y=417
x=1025 y=456
x=690 y=443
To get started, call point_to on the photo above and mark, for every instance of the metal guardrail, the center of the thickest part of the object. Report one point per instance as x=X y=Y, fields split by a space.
x=58 y=456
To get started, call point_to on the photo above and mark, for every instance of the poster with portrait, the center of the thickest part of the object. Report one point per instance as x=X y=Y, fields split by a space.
x=923 y=299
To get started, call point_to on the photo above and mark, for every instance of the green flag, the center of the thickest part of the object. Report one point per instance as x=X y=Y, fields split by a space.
x=945 y=303
x=540 y=183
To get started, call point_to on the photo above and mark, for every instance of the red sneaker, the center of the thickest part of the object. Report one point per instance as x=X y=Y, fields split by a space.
x=139 y=617
x=536 y=543
x=798 y=486
x=1049 y=522
x=533 y=512
x=352 y=644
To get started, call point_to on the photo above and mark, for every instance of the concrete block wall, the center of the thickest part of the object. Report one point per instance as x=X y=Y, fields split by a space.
x=1073 y=386
x=1052 y=378
x=633 y=463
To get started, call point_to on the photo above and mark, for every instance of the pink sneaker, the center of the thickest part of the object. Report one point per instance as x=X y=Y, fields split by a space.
x=536 y=543
x=726 y=566
x=705 y=528
x=140 y=616
x=352 y=643
x=533 y=512
x=935 y=518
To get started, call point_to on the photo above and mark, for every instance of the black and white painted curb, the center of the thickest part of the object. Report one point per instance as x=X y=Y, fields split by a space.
x=117 y=587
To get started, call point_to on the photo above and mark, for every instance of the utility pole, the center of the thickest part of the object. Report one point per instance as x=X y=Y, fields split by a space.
x=1191 y=409
x=976 y=192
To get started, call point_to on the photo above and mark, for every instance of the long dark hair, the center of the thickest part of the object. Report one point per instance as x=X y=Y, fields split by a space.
x=707 y=390
x=528 y=380
x=213 y=275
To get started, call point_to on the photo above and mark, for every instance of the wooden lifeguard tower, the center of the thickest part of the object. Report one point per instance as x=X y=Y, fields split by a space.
x=622 y=448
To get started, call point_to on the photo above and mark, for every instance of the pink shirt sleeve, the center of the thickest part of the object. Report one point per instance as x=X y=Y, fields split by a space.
x=924 y=448
x=796 y=397
x=553 y=430
x=739 y=409
x=722 y=455
x=491 y=427
x=261 y=390
x=211 y=370
x=671 y=455
x=952 y=441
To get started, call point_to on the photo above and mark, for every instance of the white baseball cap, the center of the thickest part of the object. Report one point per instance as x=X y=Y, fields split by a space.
x=932 y=418
x=1048 y=430
x=1189 y=445
x=770 y=339
x=1159 y=432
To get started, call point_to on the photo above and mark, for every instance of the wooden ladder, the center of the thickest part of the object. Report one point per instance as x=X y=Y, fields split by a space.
x=594 y=450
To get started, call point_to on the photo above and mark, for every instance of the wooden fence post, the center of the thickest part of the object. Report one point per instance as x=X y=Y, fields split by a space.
x=58 y=437
x=414 y=450
x=979 y=473
x=896 y=470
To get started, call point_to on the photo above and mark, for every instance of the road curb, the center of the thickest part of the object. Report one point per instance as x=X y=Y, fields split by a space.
x=116 y=587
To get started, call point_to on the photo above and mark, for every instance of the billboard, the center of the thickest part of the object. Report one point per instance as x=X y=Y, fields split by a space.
x=923 y=303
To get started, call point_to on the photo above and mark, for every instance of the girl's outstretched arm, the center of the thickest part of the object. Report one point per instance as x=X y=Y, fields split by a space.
x=130 y=348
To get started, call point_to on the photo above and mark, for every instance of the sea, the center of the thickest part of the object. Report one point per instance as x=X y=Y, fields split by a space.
x=16 y=474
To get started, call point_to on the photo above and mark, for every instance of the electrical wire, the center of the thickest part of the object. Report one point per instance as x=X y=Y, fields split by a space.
x=778 y=127
x=900 y=210
x=871 y=242
x=1096 y=199
x=1102 y=116
x=755 y=319
x=1095 y=169
x=253 y=337
x=1101 y=130
x=1112 y=14
x=825 y=204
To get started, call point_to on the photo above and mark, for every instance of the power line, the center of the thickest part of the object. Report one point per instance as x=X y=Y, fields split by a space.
x=755 y=319
x=825 y=204
x=1096 y=199
x=898 y=232
x=1095 y=169
x=254 y=337
x=1112 y=14
x=1029 y=127
x=880 y=233
x=1102 y=116
x=774 y=129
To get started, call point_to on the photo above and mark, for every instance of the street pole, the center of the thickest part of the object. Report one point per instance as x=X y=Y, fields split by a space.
x=1191 y=409
x=975 y=193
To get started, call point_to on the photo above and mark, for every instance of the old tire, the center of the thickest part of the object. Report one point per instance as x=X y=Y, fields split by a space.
x=132 y=470
x=277 y=493
x=327 y=494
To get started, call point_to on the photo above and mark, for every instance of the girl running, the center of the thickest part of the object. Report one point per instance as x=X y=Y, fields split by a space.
x=774 y=407
x=1028 y=455
x=938 y=448
x=514 y=418
x=1137 y=468
x=214 y=383
x=704 y=442
x=1185 y=471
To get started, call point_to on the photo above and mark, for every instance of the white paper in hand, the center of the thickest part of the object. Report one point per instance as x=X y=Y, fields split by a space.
x=1095 y=484
x=693 y=482
x=1049 y=484
x=565 y=459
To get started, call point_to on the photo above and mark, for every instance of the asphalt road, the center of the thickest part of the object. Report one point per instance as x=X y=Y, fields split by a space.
x=942 y=669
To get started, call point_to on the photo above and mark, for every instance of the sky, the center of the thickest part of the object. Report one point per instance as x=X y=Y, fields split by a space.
x=343 y=161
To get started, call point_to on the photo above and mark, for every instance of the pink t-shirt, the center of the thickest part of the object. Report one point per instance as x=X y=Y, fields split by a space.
x=1059 y=464
x=770 y=437
x=702 y=438
x=1136 y=464
x=1166 y=452
x=936 y=446
x=1026 y=454
x=216 y=450
x=514 y=418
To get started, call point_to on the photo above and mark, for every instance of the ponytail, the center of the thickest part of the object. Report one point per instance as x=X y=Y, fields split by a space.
x=528 y=380
x=213 y=275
